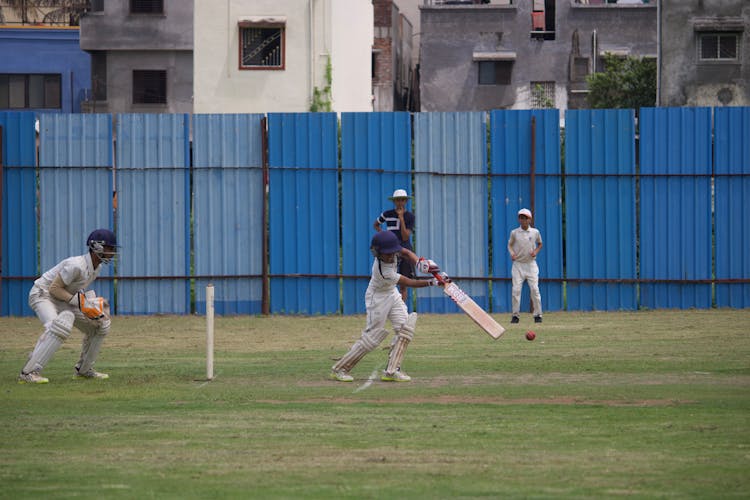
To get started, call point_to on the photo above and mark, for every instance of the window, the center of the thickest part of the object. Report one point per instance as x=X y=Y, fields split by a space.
x=32 y=91
x=542 y=95
x=146 y=6
x=261 y=47
x=149 y=87
x=719 y=46
x=495 y=72
x=99 y=75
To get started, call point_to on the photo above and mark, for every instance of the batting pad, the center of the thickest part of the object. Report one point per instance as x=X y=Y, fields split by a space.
x=404 y=337
x=57 y=332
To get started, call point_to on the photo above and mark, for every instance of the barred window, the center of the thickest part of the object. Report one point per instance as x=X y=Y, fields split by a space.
x=719 y=46
x=542 y=95
x=149 y=87
x=146 y=6
x=262 y=47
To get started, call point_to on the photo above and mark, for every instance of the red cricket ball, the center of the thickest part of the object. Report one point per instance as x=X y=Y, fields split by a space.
x=530 y=335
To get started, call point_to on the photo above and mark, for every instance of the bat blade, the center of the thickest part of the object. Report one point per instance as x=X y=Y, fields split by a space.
x=472 y=310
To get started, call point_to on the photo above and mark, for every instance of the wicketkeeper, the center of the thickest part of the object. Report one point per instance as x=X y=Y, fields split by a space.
x=60 y=302
x=383 y=302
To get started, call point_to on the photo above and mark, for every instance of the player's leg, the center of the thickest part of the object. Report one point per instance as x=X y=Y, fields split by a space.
x=56 y=332
x=404 y=335
x=517 y=279
x=373 y=334
x=532 y=277
x=94 y=333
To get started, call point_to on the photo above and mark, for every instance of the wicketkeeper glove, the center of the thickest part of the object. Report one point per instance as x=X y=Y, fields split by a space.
x=427 y=266
x=89 y=304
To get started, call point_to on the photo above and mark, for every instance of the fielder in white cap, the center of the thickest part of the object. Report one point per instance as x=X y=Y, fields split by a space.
x=524 y=245
x=400 y=222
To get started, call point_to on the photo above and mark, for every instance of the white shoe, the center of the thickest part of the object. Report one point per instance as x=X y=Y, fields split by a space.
x=92 y=374
x=32 y=378
x=341 y=376
x=397 y=376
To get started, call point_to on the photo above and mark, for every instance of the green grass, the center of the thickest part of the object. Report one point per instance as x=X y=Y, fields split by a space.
x=649 y=405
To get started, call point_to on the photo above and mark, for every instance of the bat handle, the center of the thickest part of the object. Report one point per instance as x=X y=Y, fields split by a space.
x=441 y=277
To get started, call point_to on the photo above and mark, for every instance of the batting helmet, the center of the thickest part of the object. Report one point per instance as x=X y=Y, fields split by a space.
x=384 y=242
x=100 y=238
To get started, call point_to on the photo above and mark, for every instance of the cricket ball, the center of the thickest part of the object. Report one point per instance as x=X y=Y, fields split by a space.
x=530 y=335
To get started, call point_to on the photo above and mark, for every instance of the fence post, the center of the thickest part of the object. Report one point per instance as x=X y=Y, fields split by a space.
x=265 y=304
x=1 y=219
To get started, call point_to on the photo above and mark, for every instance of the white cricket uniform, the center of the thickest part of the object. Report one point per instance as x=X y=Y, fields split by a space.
x=77 y=273
x=382 y=299
x=525 y=268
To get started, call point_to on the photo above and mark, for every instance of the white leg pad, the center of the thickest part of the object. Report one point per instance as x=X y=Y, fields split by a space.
x=403 y=337
x=89 y=351
x=366 y=343
x=53 y=337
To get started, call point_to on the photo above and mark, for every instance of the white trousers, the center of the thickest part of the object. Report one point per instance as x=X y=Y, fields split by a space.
x=529 y=272
x=383 y=307
x=47 y=309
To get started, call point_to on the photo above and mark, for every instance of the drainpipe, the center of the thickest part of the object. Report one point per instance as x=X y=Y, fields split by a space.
x=658 y=53
x=312 y=50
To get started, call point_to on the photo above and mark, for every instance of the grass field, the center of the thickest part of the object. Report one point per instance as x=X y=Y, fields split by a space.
x=650 y=404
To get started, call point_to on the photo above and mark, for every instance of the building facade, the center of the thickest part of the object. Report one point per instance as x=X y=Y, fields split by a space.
x=704 y=53
x=520 y=54
x=257 y=56
x=394 y=79
x=141 y=56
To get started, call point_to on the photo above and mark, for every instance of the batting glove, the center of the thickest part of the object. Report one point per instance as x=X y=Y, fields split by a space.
x=427 y=266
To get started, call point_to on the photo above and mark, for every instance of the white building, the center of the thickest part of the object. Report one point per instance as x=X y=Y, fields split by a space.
x=256 y=56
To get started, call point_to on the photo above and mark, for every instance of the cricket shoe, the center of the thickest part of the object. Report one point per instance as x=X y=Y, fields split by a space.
x=92 y=374
x=397 y=376
x=32 y=378
x=537 y=319
x=514 y=319
x=341 y=376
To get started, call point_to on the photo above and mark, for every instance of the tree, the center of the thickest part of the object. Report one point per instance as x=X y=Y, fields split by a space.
x=628 y=82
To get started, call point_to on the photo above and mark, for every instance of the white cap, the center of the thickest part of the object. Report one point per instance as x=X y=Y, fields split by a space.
x=399 y=193
x=526 y=212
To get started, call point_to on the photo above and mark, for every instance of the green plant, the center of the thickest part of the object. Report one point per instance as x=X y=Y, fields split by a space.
x=628 y=82
x=321 y=98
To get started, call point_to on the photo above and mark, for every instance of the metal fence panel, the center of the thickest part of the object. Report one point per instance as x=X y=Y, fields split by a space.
x=732 y=169
x=153 y=182
x=511 y=159
x=304 y=213
x=675 y=211
x=376 y=160
x=600 y=224
x=75 y=187
x=450 y=168
x=18 y=254
x=228 y=213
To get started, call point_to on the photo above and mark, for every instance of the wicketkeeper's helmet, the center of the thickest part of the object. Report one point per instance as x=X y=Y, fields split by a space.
x=100 y=238
x=384 y=242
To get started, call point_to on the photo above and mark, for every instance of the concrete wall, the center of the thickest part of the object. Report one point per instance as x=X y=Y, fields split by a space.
x=142 y=42
x=340 y=29
x=452 y=34
x=46 y=50
x=686 y=81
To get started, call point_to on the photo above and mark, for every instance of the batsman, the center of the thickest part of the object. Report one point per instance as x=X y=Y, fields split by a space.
x=60 y=302
x=383 y=302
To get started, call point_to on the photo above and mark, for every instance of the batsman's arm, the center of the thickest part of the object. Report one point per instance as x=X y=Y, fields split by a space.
x=404 y=281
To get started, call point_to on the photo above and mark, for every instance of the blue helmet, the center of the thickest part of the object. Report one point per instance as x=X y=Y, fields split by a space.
x=384 y=242
x=100 y=238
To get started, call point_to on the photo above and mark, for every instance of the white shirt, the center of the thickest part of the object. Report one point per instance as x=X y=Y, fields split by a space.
x=384 y=277
x=522 y=243
x=76 y=272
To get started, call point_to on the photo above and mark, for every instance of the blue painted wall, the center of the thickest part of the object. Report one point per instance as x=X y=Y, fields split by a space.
x=46 y=50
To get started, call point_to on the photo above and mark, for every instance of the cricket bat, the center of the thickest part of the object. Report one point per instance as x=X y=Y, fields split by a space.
x=467 y=305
